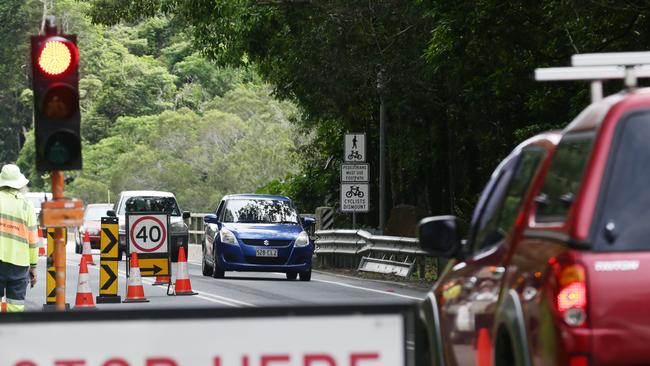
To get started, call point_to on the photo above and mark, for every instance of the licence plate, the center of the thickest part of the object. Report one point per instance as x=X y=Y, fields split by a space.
x=266 y=252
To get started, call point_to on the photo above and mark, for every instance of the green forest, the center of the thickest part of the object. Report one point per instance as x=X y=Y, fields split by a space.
x=208 y=97
x=156 y=114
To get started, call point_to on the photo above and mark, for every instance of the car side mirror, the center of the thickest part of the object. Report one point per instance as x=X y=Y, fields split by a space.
x=439 y=236
x=110 y=213
x=210 y=219
x=308 y=222
x=186 y=214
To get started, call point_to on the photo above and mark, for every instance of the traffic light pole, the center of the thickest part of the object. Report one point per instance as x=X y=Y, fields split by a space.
x=59 y=243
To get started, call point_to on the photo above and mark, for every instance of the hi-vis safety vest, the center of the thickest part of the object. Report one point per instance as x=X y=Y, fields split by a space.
x=18 y=229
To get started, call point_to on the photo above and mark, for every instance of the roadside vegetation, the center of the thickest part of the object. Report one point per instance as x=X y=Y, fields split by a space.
x=165 y=77
x=156 y=114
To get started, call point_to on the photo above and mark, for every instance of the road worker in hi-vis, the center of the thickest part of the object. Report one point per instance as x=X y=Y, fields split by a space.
x=18 y=239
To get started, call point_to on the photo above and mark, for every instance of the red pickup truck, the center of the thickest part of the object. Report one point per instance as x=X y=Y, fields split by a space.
x=556 y=266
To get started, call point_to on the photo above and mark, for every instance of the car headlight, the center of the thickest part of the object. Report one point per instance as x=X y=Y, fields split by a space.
x=178 y=227
x=302 y=240
x=227 y=237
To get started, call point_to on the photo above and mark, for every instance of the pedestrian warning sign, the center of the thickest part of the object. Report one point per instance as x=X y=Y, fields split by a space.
x=355 y=147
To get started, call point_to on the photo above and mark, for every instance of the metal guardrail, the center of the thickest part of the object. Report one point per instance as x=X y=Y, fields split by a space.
x=195 y=226
x=373 y=253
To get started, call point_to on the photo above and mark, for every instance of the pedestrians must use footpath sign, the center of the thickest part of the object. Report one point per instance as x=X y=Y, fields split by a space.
x=148 y=235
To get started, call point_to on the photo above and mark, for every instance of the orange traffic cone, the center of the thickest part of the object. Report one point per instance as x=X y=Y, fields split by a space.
x=483 y=348
x=162 y=280
x=42 y=242
x=86 y=250
x=84 y=294
x=183 y=285
x=3 y=305
x=134 y=290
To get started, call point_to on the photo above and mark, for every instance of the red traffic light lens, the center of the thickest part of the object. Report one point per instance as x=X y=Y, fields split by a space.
x=57 y=56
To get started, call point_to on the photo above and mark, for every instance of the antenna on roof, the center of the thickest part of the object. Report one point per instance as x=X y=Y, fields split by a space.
x=597 y=67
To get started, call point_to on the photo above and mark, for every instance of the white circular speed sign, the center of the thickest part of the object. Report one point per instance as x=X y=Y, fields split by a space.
x=148 y=233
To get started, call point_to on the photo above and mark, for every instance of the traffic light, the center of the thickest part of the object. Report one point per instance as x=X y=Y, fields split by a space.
x=55 y=81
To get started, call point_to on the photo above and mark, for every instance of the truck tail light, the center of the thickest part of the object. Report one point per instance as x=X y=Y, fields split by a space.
x=571 y=297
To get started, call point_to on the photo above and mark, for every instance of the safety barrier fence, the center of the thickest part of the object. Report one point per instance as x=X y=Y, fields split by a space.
x=359 y=249
x=355 y=249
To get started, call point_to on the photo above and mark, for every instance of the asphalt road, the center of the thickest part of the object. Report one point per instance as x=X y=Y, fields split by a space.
x=238 y=289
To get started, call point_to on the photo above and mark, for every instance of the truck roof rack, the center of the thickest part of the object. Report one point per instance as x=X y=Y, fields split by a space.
x=596 y=67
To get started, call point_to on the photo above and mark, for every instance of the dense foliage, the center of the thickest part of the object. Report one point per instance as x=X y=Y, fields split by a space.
x=458 y=91
x=158 y=115
x=459 y=94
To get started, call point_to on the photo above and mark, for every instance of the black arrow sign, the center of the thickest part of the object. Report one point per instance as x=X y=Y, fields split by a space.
x=51 y=234
x=155 y=269
x=111 y=276
x=53 y=275
x=112 y=240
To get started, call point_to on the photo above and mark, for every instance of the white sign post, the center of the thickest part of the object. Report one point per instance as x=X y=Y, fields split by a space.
x=355 y=148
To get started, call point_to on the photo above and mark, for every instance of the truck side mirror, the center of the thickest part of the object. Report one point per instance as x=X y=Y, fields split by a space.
x=110 y=213
x=439 y=236
x=186 y=214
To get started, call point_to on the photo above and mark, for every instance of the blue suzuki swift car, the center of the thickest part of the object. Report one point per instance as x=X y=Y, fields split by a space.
x=263 y=233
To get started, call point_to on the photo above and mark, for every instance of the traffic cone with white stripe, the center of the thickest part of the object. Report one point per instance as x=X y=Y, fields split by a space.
x=3 y=305
x=183 y=286
x=42 y=242
x=135 y=290
x=84 y=294
x=87 y=250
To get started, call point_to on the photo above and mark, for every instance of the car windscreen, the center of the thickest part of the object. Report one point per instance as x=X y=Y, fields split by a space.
x=95 y=213
x=623 y=210
x=151 y=204
x=260 y=211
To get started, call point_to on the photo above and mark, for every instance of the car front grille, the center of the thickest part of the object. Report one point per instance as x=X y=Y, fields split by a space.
x=272 y=243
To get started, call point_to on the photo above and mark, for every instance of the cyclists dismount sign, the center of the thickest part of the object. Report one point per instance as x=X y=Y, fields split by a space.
x=354 y=197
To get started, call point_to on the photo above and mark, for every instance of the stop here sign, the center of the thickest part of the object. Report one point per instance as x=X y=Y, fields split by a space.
x=147 y=233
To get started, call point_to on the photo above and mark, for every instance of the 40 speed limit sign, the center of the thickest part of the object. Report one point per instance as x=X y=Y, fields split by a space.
x=147 y=234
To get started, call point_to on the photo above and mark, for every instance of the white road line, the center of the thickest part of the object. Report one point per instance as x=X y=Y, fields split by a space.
x=225 y=298
x=369 y=289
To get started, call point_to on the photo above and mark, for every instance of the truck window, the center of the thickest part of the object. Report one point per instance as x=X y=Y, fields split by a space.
x=564 y=176
x=510 y=203
x=623 y=213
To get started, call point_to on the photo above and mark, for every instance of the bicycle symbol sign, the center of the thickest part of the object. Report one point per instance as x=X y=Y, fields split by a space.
x=354 y=197
x=147 y=233
x=355 y=147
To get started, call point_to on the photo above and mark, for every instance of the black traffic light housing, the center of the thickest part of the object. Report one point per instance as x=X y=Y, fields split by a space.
x=55 y=81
